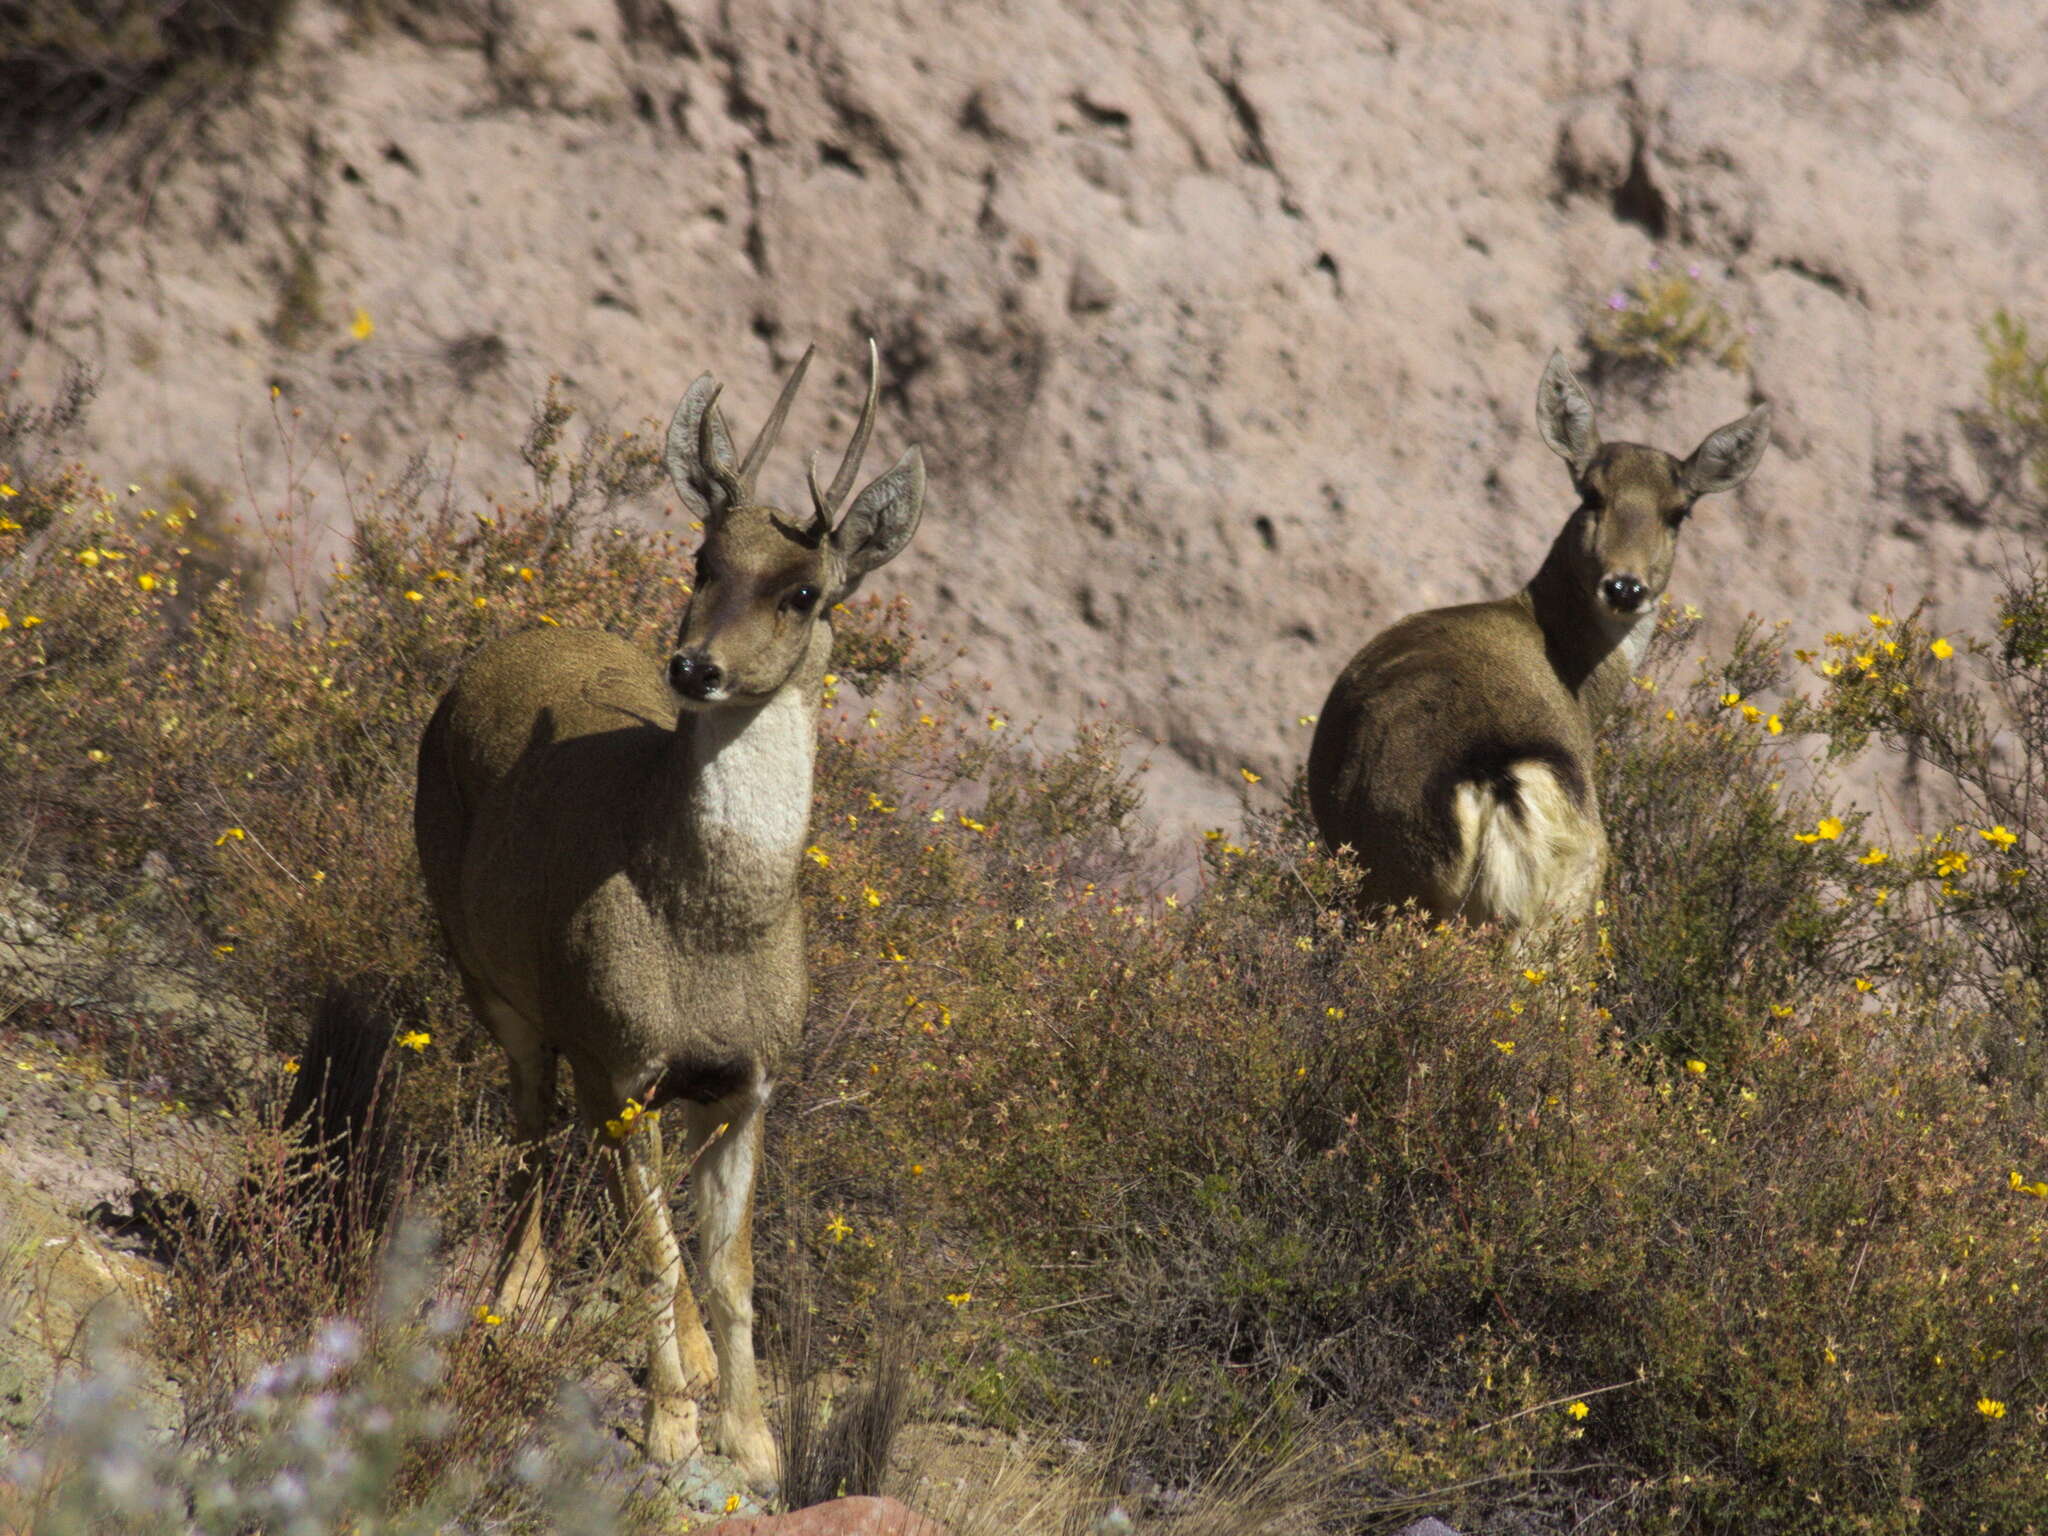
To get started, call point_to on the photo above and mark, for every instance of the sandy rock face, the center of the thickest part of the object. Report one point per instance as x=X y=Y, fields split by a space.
x=1220 y=324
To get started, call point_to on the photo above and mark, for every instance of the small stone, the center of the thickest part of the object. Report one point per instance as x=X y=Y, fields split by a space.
x=1428 y=1525
x=1089 y=289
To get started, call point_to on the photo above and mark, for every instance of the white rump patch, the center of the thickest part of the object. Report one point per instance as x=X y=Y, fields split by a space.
x=1520 y=871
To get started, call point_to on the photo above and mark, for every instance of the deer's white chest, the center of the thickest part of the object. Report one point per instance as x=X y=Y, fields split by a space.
x=751 y=789
x=1635 y=641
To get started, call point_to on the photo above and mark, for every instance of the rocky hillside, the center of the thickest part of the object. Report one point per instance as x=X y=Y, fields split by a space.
x=1220 y=323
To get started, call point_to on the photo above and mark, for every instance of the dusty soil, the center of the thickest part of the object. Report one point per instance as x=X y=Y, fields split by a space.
x=1220 y=323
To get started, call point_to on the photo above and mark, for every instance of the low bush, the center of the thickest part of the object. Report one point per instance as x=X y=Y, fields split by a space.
x=1734 y=1221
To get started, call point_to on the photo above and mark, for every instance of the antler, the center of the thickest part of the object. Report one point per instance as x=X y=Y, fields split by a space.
x=827 y=503
x=764 y=440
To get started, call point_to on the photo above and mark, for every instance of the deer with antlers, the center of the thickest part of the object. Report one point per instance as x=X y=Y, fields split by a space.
x=612 y=846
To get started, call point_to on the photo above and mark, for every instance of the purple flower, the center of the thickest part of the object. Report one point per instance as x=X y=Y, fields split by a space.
x=1693 y=270
x=1656 y=265
x=1617 y=300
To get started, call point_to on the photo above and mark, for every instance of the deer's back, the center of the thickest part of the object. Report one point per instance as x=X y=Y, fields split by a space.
x=527 y=771
x=1454 y=697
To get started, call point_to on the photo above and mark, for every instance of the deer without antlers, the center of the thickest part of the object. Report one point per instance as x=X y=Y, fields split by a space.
x=613 y=847
x=1455 y=753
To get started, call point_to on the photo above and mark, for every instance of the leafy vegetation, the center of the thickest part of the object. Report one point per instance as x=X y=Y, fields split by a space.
x=1734 y=1223
x=1663 y=320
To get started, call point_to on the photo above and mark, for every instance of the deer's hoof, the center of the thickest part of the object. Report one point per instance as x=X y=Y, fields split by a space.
x=752 y=1449
x=671 y=1430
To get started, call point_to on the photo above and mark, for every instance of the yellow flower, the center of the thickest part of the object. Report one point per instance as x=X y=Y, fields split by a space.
x=362 y=325
x=1998 y=835
x=487 y=1317
x=1535 y=978
x=7 y=492
x=1951 y=864
x=959 y=1298
x=1751 y=713
x=871 y=896
x=877 y=803
x=1333 y=1012
x=1874 y=857
x=1248 y=776
x=551 y=623
x=732 y=1503
x=416 y=1039
x=971 y=824
x=1730 y=699
x=444 y=575
x=526 y=573
x=290 y=1066
x=87 y=558
x=1696 y=1068
x=9 y=525
x=415 y=597
x=1505 y=1047
x=1879 y=621
x=1865 y=661
x=1863 y=984
x=1781 y=1010
x=1825 y=831
x=818 y=856
x=223 y=950
x=146 y=581
x=479 y=602
x=1942 y=650
x=232 y=832
x=996 y=722
x=1832 y=667
x=917 y=1168
x=29 y=621
x=2037 y=1189
x=1991 y=1407
x=1577 y=1410
x=837 y=1228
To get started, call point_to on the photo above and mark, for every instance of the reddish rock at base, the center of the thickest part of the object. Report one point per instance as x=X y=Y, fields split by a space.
x=840 y=1517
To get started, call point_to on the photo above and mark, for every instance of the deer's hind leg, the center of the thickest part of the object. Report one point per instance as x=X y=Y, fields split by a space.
x=634 y=1161
x=522 y=1280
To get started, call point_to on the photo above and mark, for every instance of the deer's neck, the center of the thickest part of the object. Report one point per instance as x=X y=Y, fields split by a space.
x=1594 y=655
x=725 y=834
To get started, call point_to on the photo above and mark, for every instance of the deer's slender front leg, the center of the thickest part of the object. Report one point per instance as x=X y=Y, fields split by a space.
x=725 y=1223
x=657 y=1265
x=700 y=1363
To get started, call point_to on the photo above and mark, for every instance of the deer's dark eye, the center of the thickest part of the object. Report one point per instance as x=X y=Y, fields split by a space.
x=803 y=599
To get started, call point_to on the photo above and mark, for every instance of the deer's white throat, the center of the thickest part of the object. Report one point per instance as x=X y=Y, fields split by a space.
x=752 y=783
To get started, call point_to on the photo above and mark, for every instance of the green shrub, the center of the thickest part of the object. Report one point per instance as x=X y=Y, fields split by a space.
x=1731 y=1224
x=1663 y=320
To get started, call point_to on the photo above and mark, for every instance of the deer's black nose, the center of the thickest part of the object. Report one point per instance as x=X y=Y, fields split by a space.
x=1624 y=594
x=694 y=675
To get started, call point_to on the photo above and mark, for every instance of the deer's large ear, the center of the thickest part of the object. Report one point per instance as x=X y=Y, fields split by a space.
x=880 y=521
x=1729 y=453
x=1565 y=416
x=691 y=438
